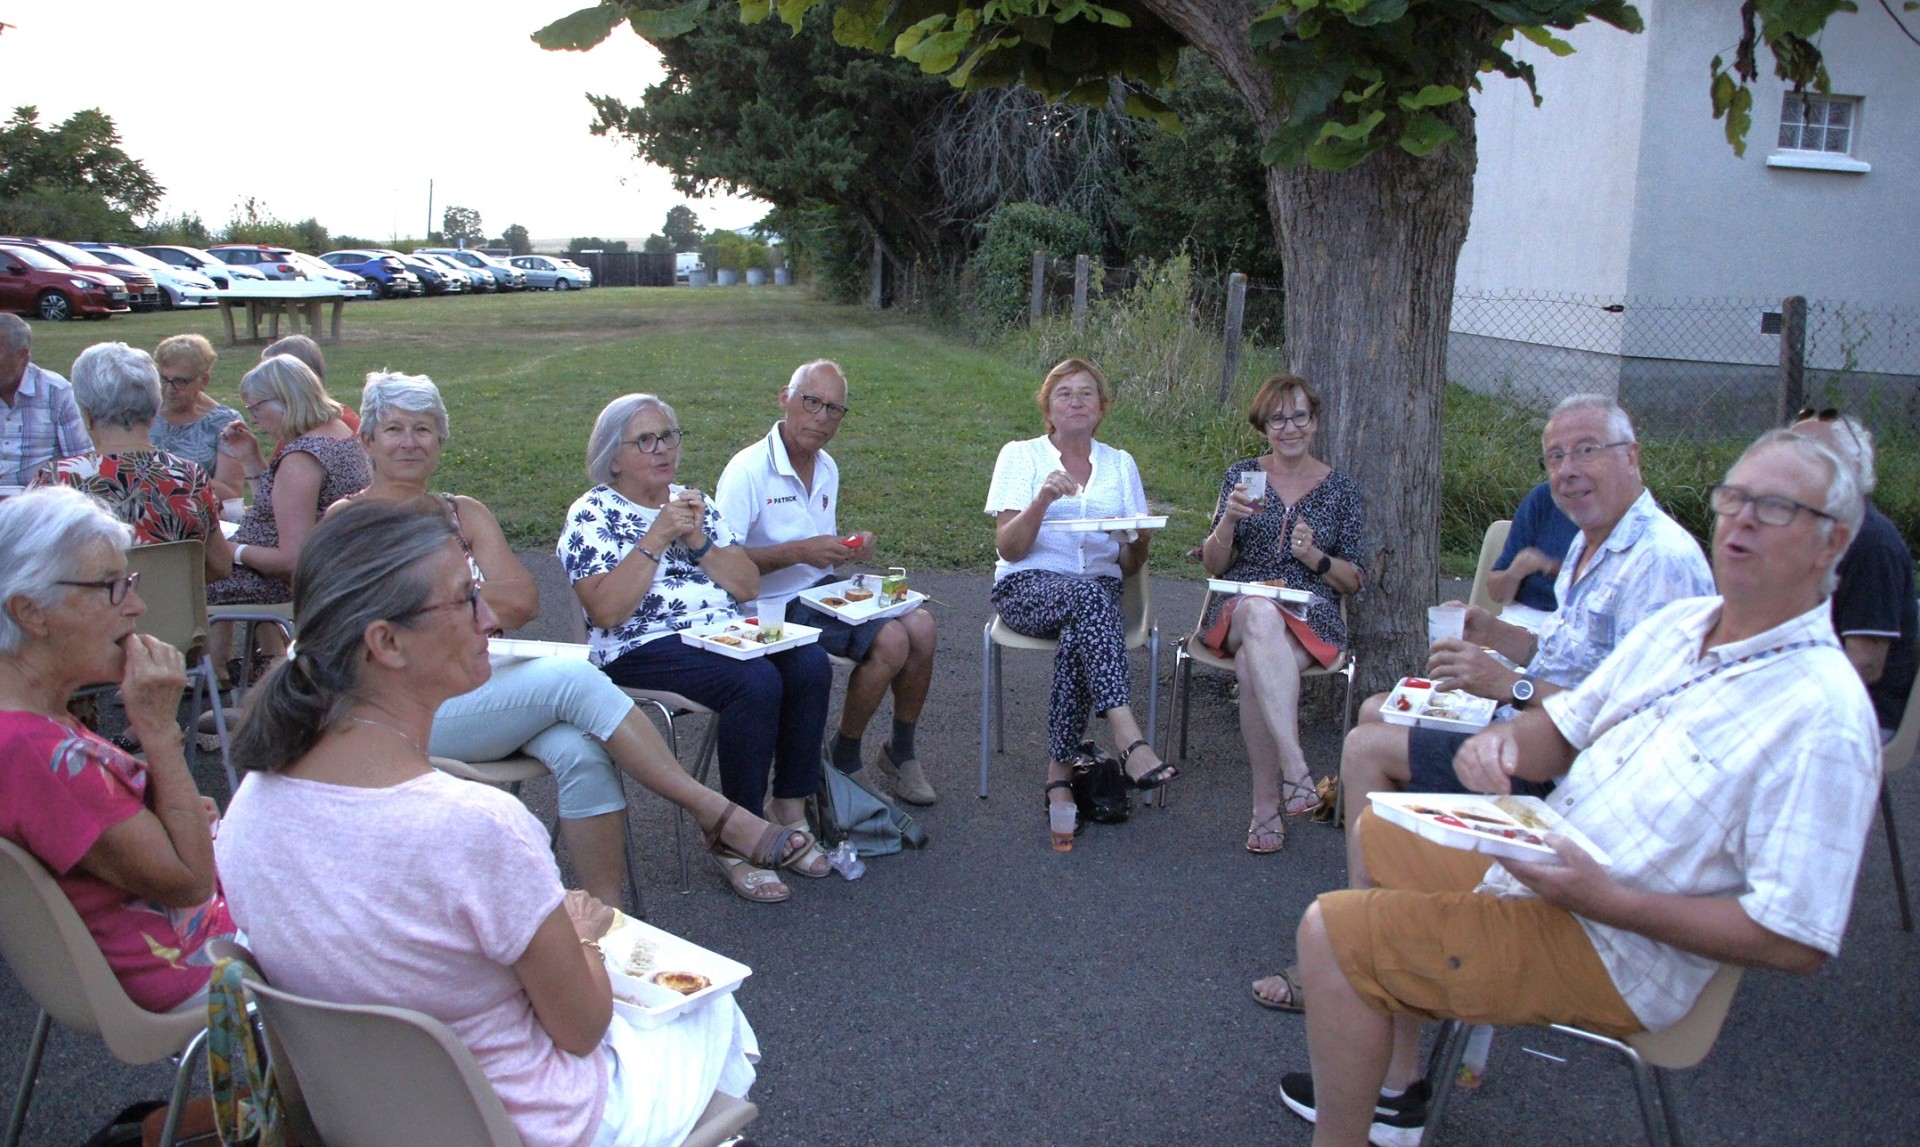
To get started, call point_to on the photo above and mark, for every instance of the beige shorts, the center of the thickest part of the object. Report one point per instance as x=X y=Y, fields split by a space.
x=1424 y=943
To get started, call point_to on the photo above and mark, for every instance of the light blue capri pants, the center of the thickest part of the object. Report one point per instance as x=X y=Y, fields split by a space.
x=553 y=708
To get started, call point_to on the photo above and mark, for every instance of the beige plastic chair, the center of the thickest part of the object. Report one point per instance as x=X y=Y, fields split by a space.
x=1490 y=547
x=1649 y=1055
x=61 y=968
x=173 y=583
x=1895 y=755
x=1136 y=607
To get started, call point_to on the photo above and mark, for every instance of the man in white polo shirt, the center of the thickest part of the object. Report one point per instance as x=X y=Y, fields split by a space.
x=782 y=496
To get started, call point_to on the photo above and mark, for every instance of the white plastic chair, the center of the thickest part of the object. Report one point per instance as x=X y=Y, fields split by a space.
x=1490 y=547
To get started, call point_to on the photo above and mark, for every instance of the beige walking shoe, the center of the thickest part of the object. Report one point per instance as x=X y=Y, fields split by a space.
x=909 y=780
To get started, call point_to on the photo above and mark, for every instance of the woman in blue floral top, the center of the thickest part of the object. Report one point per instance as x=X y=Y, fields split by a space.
x=649 y=558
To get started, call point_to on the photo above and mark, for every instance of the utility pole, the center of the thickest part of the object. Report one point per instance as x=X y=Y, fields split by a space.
x=427 y=236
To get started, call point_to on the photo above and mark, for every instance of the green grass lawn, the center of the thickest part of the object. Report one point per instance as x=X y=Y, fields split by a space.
x=525 y=375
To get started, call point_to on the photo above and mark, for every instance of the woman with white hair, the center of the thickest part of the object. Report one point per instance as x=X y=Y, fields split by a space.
x=565 y=712
x=128 y=840
x=164 y=497
x=649 y=558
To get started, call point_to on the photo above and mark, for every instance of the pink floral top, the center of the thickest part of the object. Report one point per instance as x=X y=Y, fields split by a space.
x=60 y=789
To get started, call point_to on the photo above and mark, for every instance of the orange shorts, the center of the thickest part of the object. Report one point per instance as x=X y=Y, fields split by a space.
x=1215 y=638
x=1423 y=942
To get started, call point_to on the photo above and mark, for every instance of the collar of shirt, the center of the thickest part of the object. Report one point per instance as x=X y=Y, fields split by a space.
x=781 y=461
x=1814 y=625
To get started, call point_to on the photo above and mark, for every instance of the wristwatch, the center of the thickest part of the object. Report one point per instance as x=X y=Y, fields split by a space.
x=1326 y=563
x=1522 y=692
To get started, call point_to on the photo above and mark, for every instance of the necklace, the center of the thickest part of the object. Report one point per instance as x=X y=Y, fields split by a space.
x=389 y=728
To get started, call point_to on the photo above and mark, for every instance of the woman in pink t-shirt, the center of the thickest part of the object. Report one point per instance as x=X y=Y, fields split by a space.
x=364 y=875
x=128 y=841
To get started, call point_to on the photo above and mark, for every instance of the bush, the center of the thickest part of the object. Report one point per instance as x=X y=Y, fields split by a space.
x=1000 y=270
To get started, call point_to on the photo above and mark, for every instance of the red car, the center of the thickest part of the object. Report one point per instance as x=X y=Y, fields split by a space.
x=143 y=294
x=35 y=282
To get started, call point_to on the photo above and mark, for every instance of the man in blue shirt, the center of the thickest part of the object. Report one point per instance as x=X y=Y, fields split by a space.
x=1536 y=543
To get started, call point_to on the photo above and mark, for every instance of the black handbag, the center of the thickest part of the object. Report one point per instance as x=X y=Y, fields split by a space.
x=1100 y=786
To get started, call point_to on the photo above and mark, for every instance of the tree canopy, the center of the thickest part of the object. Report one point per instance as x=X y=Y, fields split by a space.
x=461 y=226
x=516 y=239
x=71 y=179
x=682 y=229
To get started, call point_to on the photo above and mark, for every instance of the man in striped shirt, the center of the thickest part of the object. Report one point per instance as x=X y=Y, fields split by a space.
x=39 y=420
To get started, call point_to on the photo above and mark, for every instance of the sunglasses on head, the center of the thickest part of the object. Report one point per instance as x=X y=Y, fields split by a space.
x=1829 y=414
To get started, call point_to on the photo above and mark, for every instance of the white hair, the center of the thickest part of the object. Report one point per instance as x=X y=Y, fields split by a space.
x=117 y=385
x=44 y=532
x=388 y=390
x=15 y=335
x=604 y=443
x=1854 y=443
x=1619 y=426
x=805 y=371
x=1844 y=503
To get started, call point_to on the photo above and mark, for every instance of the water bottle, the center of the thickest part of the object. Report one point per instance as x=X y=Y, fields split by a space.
x=846 y=861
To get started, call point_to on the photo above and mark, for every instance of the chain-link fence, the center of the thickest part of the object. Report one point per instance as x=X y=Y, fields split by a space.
x=1684 y=367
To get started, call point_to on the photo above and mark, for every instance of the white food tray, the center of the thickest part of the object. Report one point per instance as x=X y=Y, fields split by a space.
x=1258 y=589
x=856 y=612
x=520 y=648
x=1524 y=616
x=647 y=1004
x=227 y=529
x=1507 y=826
x=1470 y=713
x=750 y=646
x=1108 y=525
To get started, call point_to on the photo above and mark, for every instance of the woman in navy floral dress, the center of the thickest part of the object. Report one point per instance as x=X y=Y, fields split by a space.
x=649 y=558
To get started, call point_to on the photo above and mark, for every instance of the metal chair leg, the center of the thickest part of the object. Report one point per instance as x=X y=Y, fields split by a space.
x=1648 y=1091
x=999 y=704
x=36 y=1045
x=1662 y=1081
x=1153 y=685
x=1443 y=1067
x=182 y=1075
x=1182 y=698
x=986 y=704
x=1893 y=851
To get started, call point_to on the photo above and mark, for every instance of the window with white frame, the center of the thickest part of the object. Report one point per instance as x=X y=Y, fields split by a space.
x=1818 y=131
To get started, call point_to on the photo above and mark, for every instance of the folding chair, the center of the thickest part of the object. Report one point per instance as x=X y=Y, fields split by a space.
x=1490 y=547
x=1649 y=1055
x=61 y=968
x=173 y=583
x=1142 y=630
x=1895 y=755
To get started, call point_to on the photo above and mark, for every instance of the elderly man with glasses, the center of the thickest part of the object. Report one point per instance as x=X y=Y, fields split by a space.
x=39 y=420
x=1628 y=560
x=782 y=495
x=1724 y=755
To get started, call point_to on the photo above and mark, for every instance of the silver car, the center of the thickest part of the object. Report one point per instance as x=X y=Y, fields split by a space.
x=546 y=273
x=507 y=278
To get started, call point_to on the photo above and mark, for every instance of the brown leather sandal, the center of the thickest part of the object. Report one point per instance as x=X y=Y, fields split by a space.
x=767 y=851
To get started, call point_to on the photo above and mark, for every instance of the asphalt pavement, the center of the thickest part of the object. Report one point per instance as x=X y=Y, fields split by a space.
x=990 y=991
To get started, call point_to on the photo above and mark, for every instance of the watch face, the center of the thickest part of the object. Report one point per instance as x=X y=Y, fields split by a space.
x=1523 y=690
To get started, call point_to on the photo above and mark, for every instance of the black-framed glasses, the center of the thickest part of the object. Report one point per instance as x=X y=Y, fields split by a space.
x=471 y=601
x=814 y=405
x=117 y=587
x=1298 y=418
x=173 y=383
x=1768 y=509
x=1554 y=459
x=655 y=443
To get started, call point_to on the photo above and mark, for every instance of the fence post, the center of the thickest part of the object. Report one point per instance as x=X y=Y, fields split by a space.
x=1793 y=357
x=877 y=297
x=1236 y=314
x=1037 y=297
x=1079 y=288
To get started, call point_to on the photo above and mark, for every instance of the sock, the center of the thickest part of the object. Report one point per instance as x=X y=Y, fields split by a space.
x=846 y=753
x=1391 y=1093
x=903 y=740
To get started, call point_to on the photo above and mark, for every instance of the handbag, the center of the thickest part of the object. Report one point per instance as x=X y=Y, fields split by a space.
x=846 y=811
x=1100 y=786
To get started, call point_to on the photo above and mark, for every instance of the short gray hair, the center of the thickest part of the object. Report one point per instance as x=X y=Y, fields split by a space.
x=1618 y=424
x=390 y=390
x=15 y=335
x=117 y=385
x=604 y=443
x=43 y=533
x=1844 y=502
x=805 y=371
x=1854 y=443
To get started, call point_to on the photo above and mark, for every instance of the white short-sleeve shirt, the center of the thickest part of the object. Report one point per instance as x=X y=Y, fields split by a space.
x=1113 y=490
x=762 y=497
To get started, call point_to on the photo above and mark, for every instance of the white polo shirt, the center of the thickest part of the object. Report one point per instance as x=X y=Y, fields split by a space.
x=766 y=503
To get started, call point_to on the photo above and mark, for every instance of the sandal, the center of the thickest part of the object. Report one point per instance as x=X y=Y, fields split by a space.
x=767 y=852
x=810 y=861
x=1292 y=791
x=1151 y=779
x=1272 y=828
x=1062 y=838
x=759 y=885
x=1296 y=1000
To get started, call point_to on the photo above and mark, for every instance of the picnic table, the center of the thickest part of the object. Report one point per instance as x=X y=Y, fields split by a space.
x=271 y=300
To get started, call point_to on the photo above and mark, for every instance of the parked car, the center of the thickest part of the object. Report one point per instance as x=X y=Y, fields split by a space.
x=37 y=283
x=546 y=273
x=438 y=280
x=179 y=287
x=351 y=285
x=224 y=275
x=585 y=272
x=478 y=281
x=269 y=261
x=143 y=294
x=388 y=276
x=508 y=278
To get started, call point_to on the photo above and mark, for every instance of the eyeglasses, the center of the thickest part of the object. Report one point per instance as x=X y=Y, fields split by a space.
x=1769 y=509
x=471 y=601
x=1554 y=459
x=173 y=383
x=655 y=443
x=1298 y=418
x=117 y=587
x=813 y=405
x=254 y=407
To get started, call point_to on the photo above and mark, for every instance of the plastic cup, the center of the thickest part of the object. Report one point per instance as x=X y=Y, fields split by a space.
x=772 y=615
x=1252 y=486
x=1446 y=623
x=233 y=509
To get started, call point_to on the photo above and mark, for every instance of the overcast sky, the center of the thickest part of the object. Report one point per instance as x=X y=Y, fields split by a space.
x=344 y=109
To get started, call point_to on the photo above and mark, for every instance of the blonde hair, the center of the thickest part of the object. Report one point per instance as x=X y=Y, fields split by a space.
x=1067 y=368
x=288 y=381
x=191 y=351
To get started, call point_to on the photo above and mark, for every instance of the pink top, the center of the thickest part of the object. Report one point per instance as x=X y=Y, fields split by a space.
x=418 y=896
x=60 y=788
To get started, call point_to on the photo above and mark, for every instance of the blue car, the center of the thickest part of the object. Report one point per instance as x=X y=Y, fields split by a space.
x=382 y=270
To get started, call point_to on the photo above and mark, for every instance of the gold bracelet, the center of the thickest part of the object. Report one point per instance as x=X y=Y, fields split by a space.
x=593 y=943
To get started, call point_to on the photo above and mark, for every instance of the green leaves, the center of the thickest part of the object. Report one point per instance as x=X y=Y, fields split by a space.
x=1733 y=102
x=581 y=30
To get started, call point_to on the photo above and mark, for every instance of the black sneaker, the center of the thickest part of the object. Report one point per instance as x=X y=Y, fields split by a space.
x=1397 y=1122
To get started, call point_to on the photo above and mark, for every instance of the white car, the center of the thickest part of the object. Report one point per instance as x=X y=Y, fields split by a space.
x=477 y=280
x=224 y=275
x=351 y=285
x=179 y=287
x=548 y=273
